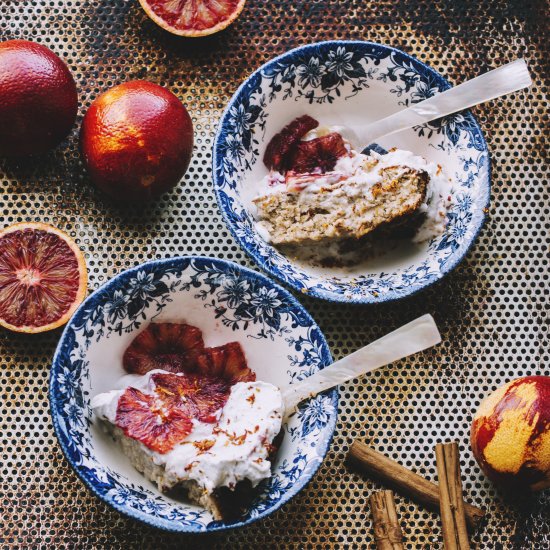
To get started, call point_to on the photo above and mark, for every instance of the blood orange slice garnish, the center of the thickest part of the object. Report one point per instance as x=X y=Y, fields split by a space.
x=193 y=18
x=196 y=386
x=281 y=147
x=152 y=421
x=319 y=153
x=179 y=347
x=167 y=346
x=198 y=396
x=43 y=277
x=227 y=362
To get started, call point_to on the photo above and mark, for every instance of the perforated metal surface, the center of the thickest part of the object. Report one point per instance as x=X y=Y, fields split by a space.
x=492 y=310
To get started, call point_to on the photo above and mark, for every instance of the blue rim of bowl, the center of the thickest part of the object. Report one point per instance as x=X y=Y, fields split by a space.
x=142 y=517
x=249 y=85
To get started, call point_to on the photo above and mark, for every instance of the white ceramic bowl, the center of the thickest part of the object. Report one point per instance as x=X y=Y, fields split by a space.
x=227 y=302
x=350 y=83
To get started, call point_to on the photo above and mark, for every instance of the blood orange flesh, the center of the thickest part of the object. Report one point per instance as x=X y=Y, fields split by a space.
x=197 y=383
x=142 y=417
x=322 y=152
x=199 y=396
x=282 y=145
x=179 y=348
x=42 y=277
x=193 y=17
x=166 y=346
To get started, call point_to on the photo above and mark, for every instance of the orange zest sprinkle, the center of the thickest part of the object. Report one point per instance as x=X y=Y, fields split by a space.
x=204 y=445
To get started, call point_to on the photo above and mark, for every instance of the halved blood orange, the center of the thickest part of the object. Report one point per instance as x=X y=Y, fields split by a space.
x=193 y=18
x=43 y=277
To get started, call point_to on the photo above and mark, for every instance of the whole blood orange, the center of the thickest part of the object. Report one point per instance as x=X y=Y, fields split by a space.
x=136 y=140
x=193 y=18
x=38 y=98
x=42 y=277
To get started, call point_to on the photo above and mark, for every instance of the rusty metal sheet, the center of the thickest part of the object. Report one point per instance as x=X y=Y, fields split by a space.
x=493 y=309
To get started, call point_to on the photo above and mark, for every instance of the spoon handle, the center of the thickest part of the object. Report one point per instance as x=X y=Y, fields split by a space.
x=498 y=82
x=411 y=338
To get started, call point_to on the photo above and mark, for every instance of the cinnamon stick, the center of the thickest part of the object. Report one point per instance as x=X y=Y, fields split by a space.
x=387 y=531
x=451 y=503
x=406 y=482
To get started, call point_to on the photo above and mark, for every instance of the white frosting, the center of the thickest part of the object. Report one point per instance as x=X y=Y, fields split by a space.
x=438 y=194
x=247 y=424
x=362 y=177
x=347 y=133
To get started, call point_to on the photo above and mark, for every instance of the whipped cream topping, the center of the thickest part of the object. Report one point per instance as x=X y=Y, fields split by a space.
x=218 y=454
x=359 y=173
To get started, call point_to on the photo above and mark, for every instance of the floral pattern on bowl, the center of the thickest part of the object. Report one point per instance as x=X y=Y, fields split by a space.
x=228 y=302
x=336 y=82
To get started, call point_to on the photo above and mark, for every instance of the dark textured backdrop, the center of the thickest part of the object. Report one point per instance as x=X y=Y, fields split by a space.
x=491 y=310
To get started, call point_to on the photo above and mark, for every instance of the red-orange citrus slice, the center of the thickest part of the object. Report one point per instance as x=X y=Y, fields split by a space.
x=43 y=277
x=193 y=18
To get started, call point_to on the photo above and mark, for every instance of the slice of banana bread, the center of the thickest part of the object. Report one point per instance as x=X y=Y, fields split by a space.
x=223 y=503
x=352 y=208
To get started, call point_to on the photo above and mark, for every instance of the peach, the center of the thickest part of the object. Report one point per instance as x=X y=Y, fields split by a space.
x=510 y=434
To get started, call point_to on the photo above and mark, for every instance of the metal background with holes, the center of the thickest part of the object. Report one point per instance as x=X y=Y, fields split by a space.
x=492 y=310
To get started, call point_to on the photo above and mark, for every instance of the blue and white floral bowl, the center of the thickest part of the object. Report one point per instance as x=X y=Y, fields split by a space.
x=227 y=302
x=350 y=83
